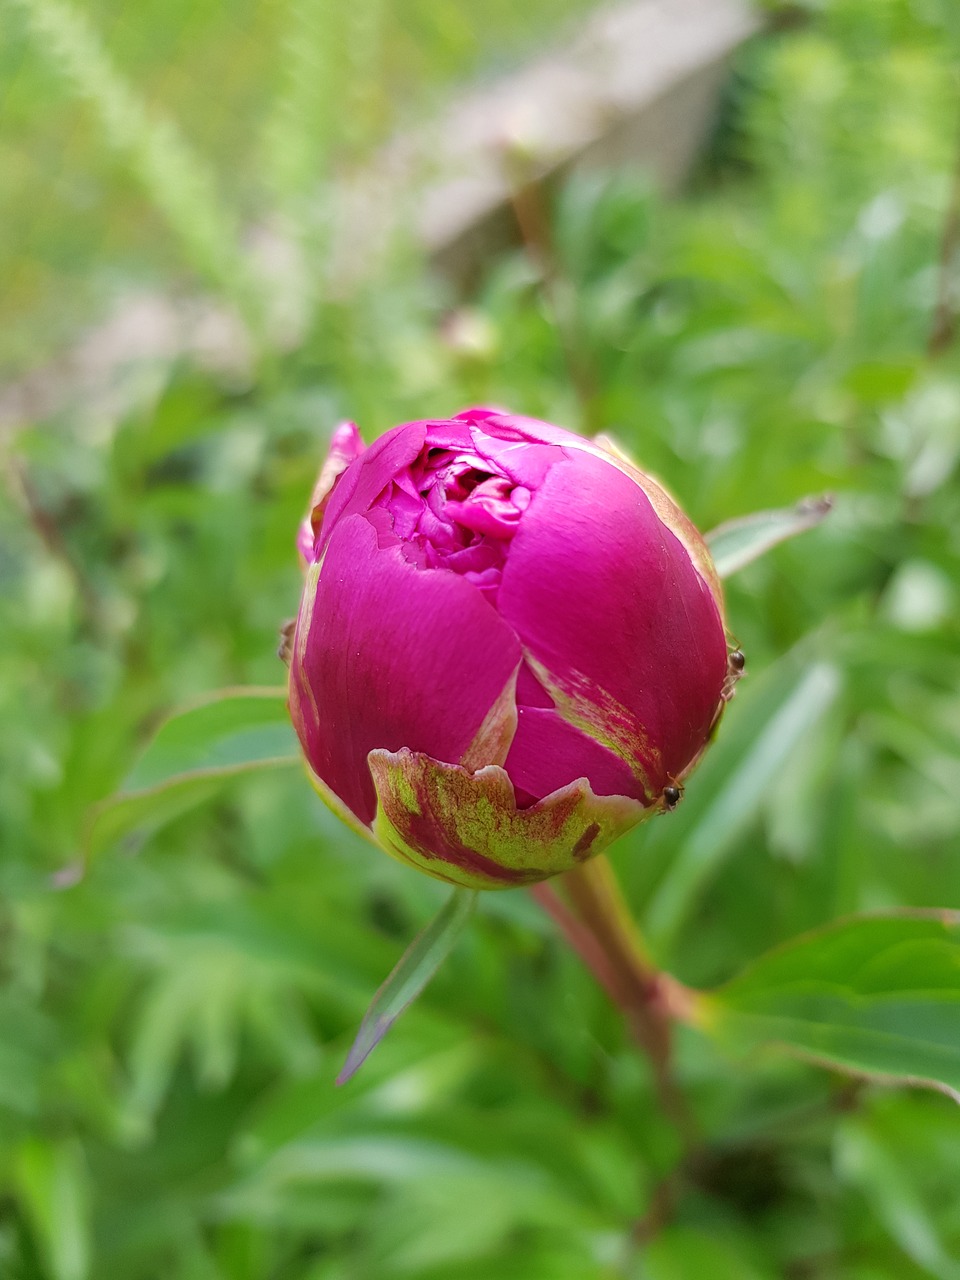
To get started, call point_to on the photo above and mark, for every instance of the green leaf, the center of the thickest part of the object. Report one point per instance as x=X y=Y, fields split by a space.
x=191 y=756
x=739 y=800
x=736 y=543
x=876 y=996
x=52 y=1184
x=416 y=967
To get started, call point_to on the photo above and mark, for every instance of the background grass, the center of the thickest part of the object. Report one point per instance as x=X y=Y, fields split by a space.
x=257 y=106
x=171 y=1024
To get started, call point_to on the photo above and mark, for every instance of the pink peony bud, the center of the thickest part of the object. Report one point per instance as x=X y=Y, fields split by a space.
x=510 y=647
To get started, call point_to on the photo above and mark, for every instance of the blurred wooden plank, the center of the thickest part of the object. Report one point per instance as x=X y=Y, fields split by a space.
x=637 y=87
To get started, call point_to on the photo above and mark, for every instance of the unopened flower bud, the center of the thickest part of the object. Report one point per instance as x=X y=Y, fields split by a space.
x=510 y=647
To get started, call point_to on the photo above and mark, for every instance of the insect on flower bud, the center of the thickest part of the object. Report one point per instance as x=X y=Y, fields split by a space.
x=510 y=647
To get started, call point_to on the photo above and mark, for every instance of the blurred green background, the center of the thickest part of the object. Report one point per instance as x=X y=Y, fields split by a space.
x=171 y=1022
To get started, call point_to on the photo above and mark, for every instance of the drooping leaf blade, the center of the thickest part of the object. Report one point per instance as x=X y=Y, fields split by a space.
x=413 y=971
x=232 y=730
x=877 y=996
x=192 y=754
x=736 y=543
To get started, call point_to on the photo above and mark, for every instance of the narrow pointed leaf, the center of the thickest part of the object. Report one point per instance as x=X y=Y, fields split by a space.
x=190 y=757
x=736 y=804
x=416 y=967
x=736 y=543
x=877 y=996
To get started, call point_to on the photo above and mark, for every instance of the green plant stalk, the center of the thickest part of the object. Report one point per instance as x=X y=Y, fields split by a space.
x=596 y=921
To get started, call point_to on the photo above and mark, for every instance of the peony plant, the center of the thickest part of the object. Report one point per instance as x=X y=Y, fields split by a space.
x=511 y=647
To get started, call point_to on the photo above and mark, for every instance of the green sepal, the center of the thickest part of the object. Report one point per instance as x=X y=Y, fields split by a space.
x=465 y=828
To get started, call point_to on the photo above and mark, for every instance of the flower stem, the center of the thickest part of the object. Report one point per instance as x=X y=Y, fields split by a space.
x=598 y=925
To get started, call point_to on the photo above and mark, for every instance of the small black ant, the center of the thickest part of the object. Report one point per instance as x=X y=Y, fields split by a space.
x=671 y=796
x=285 y=647
x=735 y=667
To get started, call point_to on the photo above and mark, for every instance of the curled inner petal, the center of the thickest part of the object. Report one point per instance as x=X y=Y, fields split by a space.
x=458 y=505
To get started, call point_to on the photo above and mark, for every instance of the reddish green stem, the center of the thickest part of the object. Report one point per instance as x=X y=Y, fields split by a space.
x=598 y=925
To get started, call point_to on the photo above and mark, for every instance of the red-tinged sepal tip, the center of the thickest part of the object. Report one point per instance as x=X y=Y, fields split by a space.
x=465 y=827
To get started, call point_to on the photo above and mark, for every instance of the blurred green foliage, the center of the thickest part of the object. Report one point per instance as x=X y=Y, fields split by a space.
x=171 y=1022
x=223 y=114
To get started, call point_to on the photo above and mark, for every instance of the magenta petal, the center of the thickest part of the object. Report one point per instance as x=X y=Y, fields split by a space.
x=615 y=618
x=388 y=656
x=517 y=427
x=345 y=447
x=548 y=753
x=366 y=478
x=448 y=434
x=526 y=464
x=530 y=691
